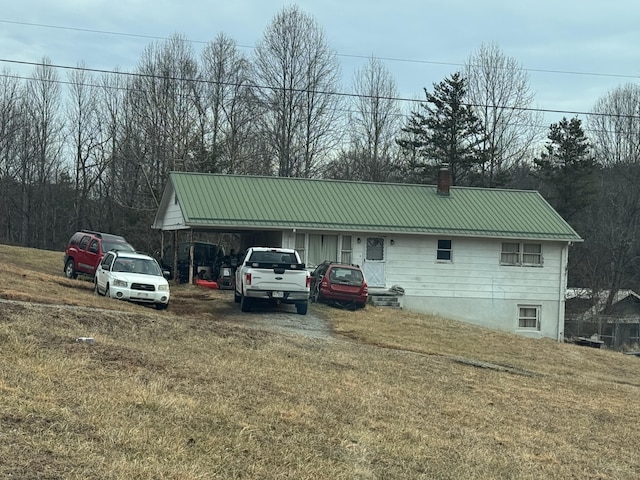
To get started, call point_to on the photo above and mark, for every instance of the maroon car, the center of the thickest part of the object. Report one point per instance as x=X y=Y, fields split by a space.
x=85 y=250
x=339 y=284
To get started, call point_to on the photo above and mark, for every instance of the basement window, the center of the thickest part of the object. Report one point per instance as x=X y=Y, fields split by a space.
x=521 y=254
x=529 y=317
x=444 y=252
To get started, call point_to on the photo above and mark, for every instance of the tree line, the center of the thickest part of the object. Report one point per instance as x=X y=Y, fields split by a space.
x=94 y=149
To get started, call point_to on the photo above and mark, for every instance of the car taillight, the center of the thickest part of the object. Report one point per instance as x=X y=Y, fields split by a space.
x=365 y=288
x=308 y=281
x=247 y=279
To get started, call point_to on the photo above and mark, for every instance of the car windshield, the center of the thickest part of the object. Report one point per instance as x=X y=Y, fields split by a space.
x=346 y=275
x=146 y=266
x=121 y=246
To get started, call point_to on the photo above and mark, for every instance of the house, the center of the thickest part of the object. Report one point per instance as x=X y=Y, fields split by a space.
x=492 y=257
x=585 y=316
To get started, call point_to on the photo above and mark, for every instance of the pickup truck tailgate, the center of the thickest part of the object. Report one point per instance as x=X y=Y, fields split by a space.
x=272 y=279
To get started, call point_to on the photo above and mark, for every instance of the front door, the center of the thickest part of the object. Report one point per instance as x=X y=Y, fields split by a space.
x=374 y=262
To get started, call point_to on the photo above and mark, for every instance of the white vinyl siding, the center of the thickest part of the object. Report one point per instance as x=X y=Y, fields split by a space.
x=173 y=216
x=476 y=287
x=475 y=273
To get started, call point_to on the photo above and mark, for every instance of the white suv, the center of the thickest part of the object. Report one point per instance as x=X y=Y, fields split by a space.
x=132 y=276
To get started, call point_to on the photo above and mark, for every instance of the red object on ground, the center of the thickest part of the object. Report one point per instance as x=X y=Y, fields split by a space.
x=207 y=284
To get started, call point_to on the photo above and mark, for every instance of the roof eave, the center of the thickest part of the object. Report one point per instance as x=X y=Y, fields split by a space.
x=381 y=229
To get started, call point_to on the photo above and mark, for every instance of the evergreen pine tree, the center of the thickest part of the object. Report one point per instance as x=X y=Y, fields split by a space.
x=566 y=168
x=444 y=131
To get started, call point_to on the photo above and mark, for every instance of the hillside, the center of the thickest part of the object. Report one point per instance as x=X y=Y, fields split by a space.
x=202 y=391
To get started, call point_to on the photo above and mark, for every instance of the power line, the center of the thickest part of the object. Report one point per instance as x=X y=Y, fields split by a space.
x=341 y=94
x=388 y=59
x=88 y=30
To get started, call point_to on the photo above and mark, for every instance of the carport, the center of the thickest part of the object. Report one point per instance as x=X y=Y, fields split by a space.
x=234 y=243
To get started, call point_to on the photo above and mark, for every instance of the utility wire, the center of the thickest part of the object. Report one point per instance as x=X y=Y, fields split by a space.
x=539 y=127
x=389 y=59
x=340 y=94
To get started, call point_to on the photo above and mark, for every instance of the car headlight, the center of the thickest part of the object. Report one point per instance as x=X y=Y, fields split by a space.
x=163 y=288
x=119 y=283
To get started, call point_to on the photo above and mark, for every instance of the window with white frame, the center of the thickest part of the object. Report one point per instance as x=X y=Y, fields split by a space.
x=521 y=253
x=444 y=252
x=529 y=317
x=345 y=255
x=531 y=254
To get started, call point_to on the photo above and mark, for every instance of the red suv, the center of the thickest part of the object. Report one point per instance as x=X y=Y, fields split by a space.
x=85 y=250
x=339 y=284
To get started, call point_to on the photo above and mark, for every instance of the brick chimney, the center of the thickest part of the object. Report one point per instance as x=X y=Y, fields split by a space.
x=444 y=180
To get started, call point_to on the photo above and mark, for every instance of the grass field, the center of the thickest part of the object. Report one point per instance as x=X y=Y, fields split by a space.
x=193 y=393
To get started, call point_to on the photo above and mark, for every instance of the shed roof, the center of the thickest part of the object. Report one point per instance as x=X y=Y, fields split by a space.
x=257 y=202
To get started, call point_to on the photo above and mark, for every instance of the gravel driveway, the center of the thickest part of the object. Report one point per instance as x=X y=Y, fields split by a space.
x=283 y=319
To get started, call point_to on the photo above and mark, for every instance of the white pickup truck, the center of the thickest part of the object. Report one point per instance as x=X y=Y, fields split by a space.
x=272 y=274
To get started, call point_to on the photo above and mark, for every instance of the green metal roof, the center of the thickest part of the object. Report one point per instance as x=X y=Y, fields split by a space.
x=252 y=202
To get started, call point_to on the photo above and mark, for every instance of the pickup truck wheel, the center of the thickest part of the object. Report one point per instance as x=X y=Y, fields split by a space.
x=70 y=269
x=302 y=307
x=236 y=297
x=245 y=304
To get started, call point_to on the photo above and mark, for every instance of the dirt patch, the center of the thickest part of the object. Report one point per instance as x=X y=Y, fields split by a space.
x=218 y=306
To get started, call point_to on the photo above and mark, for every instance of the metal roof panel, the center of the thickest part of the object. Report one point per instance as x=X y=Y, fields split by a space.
x=216 y=200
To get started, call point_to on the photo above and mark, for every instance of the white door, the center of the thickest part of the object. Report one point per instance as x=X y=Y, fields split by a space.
x=374 y=262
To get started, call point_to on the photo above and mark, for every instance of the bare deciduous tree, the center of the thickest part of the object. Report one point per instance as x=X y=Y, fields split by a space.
x=295 y=78
x=40 y=155
x=615 y=126
x=226 y=109
x=163 y=98
x=86 y=140
x=609 y=259
x=10 y=124
x=374 y=123
x=611 y=247
x=111 y=103
x=498 y=90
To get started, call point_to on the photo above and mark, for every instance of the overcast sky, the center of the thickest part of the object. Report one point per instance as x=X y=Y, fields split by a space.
x=574 y=51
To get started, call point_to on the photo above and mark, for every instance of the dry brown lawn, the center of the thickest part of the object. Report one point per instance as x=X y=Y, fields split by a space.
x=193 y=393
